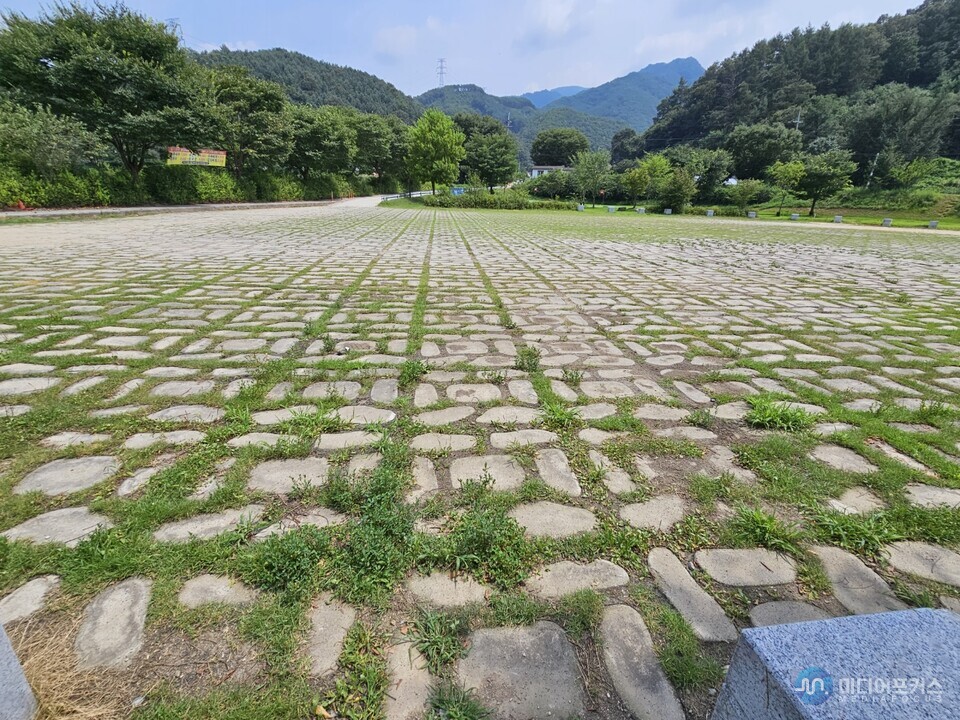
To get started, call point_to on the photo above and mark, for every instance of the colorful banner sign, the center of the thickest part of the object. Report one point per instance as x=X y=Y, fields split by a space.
x=207 y=158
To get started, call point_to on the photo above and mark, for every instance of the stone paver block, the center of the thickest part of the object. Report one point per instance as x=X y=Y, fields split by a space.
x=62 y=477
x=68 y=526
x=440 y=590
x=502 y=470
x=931 y=562
x=747 y=568
x=565 y=577
x=183 y=388
x=505 y=440
x=632 y=663
x=555 y=471
x=524 y=673
x=26 y=386
x=447 y=416
x=410 y=683
x=473 y=393
x=215 y=589
x=111 y=633
x=330 y=620
x=784 y=612
x=698 y=608
x=931 y=496
x=437 y=442
x=346 y=440
x=660 y=514
x=206 y=526
x=188 y=413
x=548 y=519
x=856 y=501
x=281 y=476
x=841 y=458
x=858 y=588
x=27 y=599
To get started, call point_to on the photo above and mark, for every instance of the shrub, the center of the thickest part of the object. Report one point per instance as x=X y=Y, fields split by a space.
x=214 y=185
x=273 y=188
x=504 y=200
x=171 y=184
x=11 y=187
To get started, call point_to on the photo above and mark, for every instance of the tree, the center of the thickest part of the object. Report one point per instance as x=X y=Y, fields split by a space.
x=904 y=122
x=785 y=177
x=636 y=181
x=756 y=147
x=491 y=150
x=324 y=141
x=39 y=142
x=492 y=157
x=708 y=168
x=558 y=146
x=590 y=170
x=436 y=149
x=627 y=144
x=254 y=126
x=659 y=170
x=373 y=136
x=678 y=190
x=121 y=75
x=744 y=192
x=825 y=175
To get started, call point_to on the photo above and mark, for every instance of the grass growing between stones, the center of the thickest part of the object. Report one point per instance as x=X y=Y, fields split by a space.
x=450 y=701
x=679 y=651
x=770 y=414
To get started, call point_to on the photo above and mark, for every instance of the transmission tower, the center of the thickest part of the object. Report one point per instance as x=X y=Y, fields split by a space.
x=441 y=71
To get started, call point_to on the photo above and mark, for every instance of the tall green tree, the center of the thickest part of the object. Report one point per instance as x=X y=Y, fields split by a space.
x=123 y=76
x=558 y=146
x=253 y=124
x=825 y=175
x=627 y=144
x=636 y=181
x=491 y=150
x=590 y=171
x=785 y=177
x=381 y=147
x=678 y=190
x=756 y=147
x=324 y=140
x=436 y=149
x=493 y=158
x=744 y=193
x=658 y=170
x=40 y=143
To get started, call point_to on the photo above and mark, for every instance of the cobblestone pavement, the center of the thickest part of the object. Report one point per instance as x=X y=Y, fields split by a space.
x=547 y=463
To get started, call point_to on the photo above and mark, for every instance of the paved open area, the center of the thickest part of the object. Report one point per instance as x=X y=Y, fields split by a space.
x=370 y=461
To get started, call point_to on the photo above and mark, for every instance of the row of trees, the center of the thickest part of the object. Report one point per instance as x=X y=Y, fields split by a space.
x=682 y=175
x=86 y=88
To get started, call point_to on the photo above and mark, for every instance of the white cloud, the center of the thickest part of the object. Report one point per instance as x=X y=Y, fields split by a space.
x=394 y=43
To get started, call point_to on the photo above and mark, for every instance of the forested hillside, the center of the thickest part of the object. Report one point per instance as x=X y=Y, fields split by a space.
x=885 y=91
x=519 y=114
x=541 y=98
x=312 y=82
x=632 y=99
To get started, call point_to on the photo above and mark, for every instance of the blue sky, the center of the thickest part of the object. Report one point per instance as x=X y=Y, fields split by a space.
x=506 y=47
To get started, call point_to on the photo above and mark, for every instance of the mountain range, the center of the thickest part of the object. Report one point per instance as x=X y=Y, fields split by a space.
x=541 y=98
x=629 y=101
